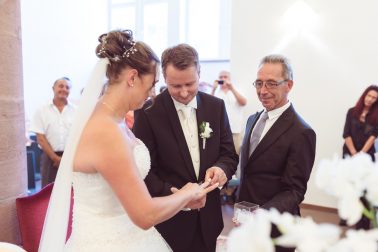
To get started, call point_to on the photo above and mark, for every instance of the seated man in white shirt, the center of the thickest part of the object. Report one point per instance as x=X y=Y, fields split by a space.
x=51 y=124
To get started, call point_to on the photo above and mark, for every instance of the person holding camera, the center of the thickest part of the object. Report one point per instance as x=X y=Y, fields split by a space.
x=234 y=102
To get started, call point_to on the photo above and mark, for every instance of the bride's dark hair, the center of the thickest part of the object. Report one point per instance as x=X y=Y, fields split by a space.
x=121 y=50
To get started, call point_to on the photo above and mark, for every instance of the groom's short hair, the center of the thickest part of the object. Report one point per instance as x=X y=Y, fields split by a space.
x=180 y=56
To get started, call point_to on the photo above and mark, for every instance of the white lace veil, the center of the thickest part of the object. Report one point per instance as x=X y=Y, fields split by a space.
x=56 y=222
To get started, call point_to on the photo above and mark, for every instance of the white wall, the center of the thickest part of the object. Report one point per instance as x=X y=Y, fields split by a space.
x=210 y=70
x=334 y=60
x=59 y=39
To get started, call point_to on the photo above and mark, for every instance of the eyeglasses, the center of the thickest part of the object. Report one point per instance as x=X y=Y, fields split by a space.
x=269 y=84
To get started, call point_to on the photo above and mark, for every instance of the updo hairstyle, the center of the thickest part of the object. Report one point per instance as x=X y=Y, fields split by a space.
x=121 y=50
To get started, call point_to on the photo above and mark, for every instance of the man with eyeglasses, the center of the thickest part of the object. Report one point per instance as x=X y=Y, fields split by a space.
x=278 y=148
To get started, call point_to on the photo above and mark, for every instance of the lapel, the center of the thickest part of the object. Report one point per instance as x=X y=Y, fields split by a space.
x=177 y=132
x=201 y=117
x=278 y=128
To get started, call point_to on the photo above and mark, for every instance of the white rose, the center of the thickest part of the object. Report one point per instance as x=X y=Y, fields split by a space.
x=207 y=131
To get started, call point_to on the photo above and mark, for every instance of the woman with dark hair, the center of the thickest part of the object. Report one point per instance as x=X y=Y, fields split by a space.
x=360 y=132
x=106 y=163
x=361 y=126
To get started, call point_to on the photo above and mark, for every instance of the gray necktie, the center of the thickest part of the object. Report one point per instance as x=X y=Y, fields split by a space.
x=257 y=131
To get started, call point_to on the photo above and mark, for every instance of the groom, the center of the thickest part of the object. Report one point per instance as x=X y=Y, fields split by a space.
x=174 y=129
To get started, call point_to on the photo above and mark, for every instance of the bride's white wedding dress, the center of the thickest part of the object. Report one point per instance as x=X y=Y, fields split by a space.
x=100 y=223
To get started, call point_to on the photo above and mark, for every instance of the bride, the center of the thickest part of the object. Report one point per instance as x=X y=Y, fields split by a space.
x=113 y=210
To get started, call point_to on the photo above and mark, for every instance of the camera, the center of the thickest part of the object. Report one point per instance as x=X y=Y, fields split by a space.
x=220 y=82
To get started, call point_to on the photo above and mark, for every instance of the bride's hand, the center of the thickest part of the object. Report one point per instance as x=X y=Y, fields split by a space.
x=206 y=187
x=198 y=191
x=193 y=204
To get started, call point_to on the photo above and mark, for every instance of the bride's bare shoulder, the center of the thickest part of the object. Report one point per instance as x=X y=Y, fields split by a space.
x=104 y=124
x=99 y=138
x=102 y=130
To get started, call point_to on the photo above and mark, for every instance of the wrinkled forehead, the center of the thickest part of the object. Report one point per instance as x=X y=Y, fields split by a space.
x=270 y=71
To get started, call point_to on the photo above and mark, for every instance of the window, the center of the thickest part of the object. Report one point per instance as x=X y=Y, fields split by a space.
x=161 y=23
x=123 y=17
x=155 y=25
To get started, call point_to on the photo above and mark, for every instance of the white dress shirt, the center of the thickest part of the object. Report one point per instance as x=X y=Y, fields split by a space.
x=234 y=110
x=53 y=124
x=190 y=128
x=273 y=115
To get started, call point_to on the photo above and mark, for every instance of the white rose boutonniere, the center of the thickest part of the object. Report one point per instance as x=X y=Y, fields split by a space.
x=205 y=132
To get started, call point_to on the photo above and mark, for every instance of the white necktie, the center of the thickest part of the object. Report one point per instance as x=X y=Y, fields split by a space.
x=190 y=133
x=257 y=131
x=186 y=112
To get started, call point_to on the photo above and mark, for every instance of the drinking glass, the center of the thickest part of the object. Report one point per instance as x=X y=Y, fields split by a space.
x=244 y=210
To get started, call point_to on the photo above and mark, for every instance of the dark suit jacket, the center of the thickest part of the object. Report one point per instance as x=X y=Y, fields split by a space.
x=171 y=165
x=277 y=172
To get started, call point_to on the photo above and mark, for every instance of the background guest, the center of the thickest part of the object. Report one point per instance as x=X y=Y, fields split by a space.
x=360 y=132
x=361 y=125
x=234 y=102
x=51 y=123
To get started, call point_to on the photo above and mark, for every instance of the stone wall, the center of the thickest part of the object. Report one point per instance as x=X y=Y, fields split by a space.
x=13 y=173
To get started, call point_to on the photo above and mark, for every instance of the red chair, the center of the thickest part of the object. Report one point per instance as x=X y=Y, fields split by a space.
x=31 y=211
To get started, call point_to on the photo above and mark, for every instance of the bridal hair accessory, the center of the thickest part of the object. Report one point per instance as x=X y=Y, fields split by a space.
x=205 y=132
x=116 y=58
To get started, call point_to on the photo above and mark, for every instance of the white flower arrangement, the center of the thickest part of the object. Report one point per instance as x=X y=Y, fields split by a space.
x=205 y=132
x=301 y=233
x=348 y=179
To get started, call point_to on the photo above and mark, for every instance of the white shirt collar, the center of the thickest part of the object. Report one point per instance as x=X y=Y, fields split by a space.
x=51 y=102
x=278 y=111
x=179 y=105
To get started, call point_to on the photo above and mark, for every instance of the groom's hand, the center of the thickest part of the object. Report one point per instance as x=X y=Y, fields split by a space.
x=216 y=175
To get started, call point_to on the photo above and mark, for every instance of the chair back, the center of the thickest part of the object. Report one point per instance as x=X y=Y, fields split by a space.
x=31 y=212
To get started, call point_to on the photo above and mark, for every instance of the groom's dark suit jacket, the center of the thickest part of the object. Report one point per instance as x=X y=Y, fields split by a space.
x=277 y=172
x=171 y=165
